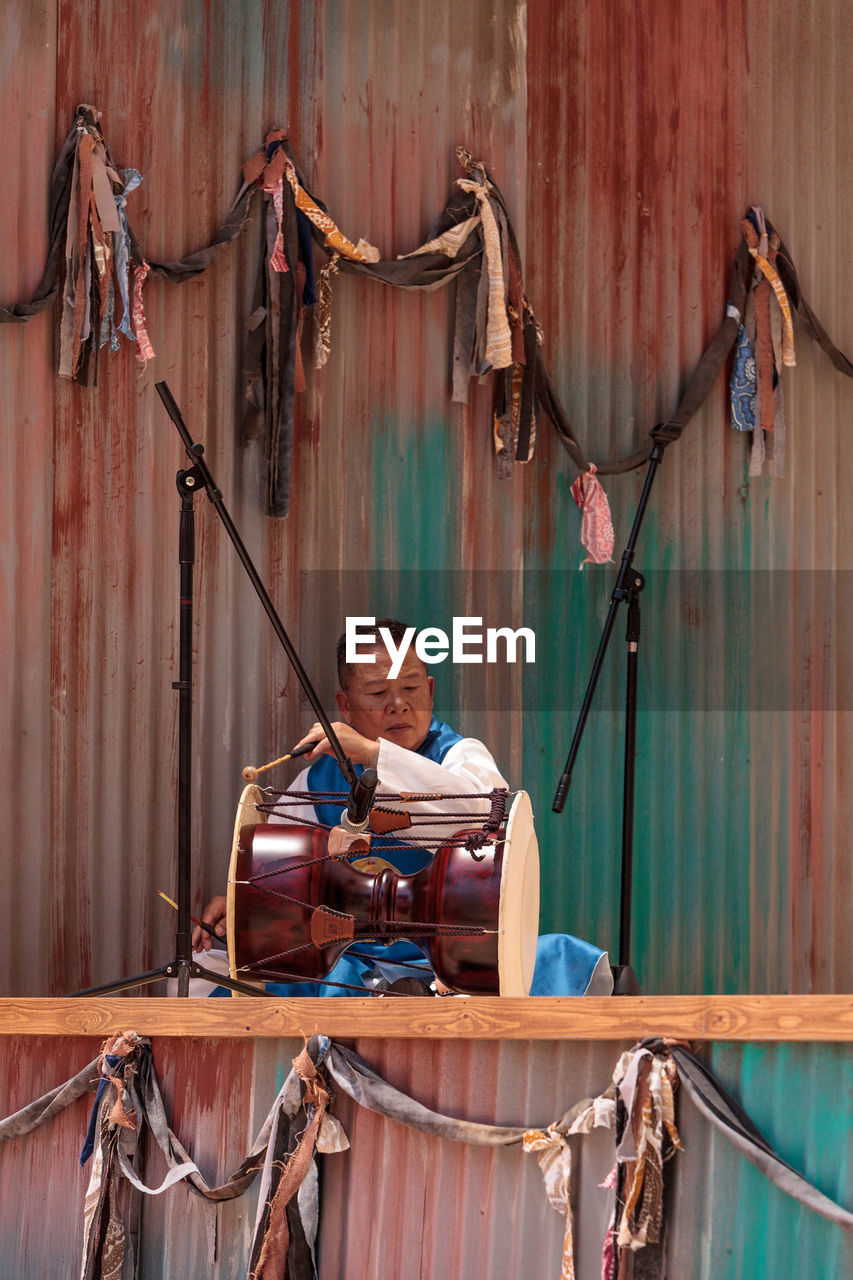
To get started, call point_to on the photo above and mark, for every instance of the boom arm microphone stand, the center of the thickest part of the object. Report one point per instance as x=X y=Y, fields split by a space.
x=189 y=481
x=628 y=586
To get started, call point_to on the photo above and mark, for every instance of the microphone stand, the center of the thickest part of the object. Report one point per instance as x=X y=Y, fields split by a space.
x=188 y=482
x=627 y=590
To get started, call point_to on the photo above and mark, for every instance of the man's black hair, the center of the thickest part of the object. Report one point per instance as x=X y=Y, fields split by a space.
x=397 y=631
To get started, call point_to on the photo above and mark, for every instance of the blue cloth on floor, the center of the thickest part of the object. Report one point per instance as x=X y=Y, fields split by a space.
x=564 y=966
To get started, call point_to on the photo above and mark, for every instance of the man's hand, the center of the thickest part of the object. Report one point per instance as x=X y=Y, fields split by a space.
x=360 y=750
x=213 y=914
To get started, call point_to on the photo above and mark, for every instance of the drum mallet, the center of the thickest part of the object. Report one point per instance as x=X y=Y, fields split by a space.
x=251 y=771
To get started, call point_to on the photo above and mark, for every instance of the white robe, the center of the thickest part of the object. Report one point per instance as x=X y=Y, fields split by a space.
x=467 y=769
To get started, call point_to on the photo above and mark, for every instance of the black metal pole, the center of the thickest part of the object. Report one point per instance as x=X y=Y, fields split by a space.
x=183 y=966
x=619 y=594
x=187 y=483
x=196 y=455
x=629 y=583
x=632 y=637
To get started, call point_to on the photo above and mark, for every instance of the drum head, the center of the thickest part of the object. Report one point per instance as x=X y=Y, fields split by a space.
x=248 y=815
x=518 y=914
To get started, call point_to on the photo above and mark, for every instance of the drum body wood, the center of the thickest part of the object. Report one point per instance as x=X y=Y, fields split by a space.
x=269 y=923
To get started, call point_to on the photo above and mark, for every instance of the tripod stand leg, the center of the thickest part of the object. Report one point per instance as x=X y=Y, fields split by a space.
x=124 y=984
x=183 y=979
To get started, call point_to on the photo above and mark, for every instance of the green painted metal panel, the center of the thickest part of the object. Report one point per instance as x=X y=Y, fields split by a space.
x=730 y=1222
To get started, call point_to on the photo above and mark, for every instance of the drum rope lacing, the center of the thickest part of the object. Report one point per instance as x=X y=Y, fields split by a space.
x=472 y=841
x=375 y=928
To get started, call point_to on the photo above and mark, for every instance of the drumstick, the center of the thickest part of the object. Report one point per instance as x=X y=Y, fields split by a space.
x=209 y=927
x=251 y=771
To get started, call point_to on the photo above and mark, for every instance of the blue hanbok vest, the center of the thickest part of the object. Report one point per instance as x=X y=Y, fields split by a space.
x=325 y=775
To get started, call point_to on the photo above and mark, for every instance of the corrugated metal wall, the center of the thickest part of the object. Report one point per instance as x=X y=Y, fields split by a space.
x=628 y=142
x=796 y=1094
x=400 y=1202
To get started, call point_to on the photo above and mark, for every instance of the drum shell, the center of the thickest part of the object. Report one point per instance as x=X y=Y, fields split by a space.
x=271 y=933
x=466 y=891
x=265 y=924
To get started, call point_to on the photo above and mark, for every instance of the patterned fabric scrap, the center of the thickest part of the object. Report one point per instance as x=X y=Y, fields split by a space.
x=332 y=237
x=742 y=386
x=555 y=1160
x=323 y=313
x=765 y=342
x=597 y=524
x=647 y=1137
x=144 y=349
x=448 y=242
x=131 y=179
x=97 y=252
x=278 y=262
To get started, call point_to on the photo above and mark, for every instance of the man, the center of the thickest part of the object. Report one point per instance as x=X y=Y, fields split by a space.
x=388 y=724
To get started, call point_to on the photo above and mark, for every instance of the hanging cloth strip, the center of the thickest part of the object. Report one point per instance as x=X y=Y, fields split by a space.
x=498 y=348
x=596 y=526
x=554 y=1156
x=742 y=384
x=726 y=1114
x=92 y=195
x=646 y=1137
x=323 y=313
x=59 y=201
x=765 y=341
x=273 y=362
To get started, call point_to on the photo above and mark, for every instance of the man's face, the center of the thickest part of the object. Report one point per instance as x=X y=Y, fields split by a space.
x=399 y=710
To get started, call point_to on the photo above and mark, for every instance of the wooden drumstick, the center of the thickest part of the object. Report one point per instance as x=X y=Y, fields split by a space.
x=208 y=927
x=251 y=771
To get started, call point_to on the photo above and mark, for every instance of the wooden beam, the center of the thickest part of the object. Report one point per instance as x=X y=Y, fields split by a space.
x=817 y=1018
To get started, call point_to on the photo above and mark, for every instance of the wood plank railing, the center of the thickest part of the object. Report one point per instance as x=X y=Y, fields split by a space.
x=750 y=1018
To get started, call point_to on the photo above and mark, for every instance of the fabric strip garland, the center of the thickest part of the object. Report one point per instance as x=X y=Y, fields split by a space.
x=639 y=1104
x=472 y=244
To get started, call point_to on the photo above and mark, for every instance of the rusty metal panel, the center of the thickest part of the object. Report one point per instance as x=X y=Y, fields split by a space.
x=394 y=1196
x=392 y=477
x=627 y=144
x=398 y=1199
x=185 y=100
x=649 y=135
x=402 y=1200
x=640 y=217
x=105 y=841
x=42 y=1219
x=26 y=689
